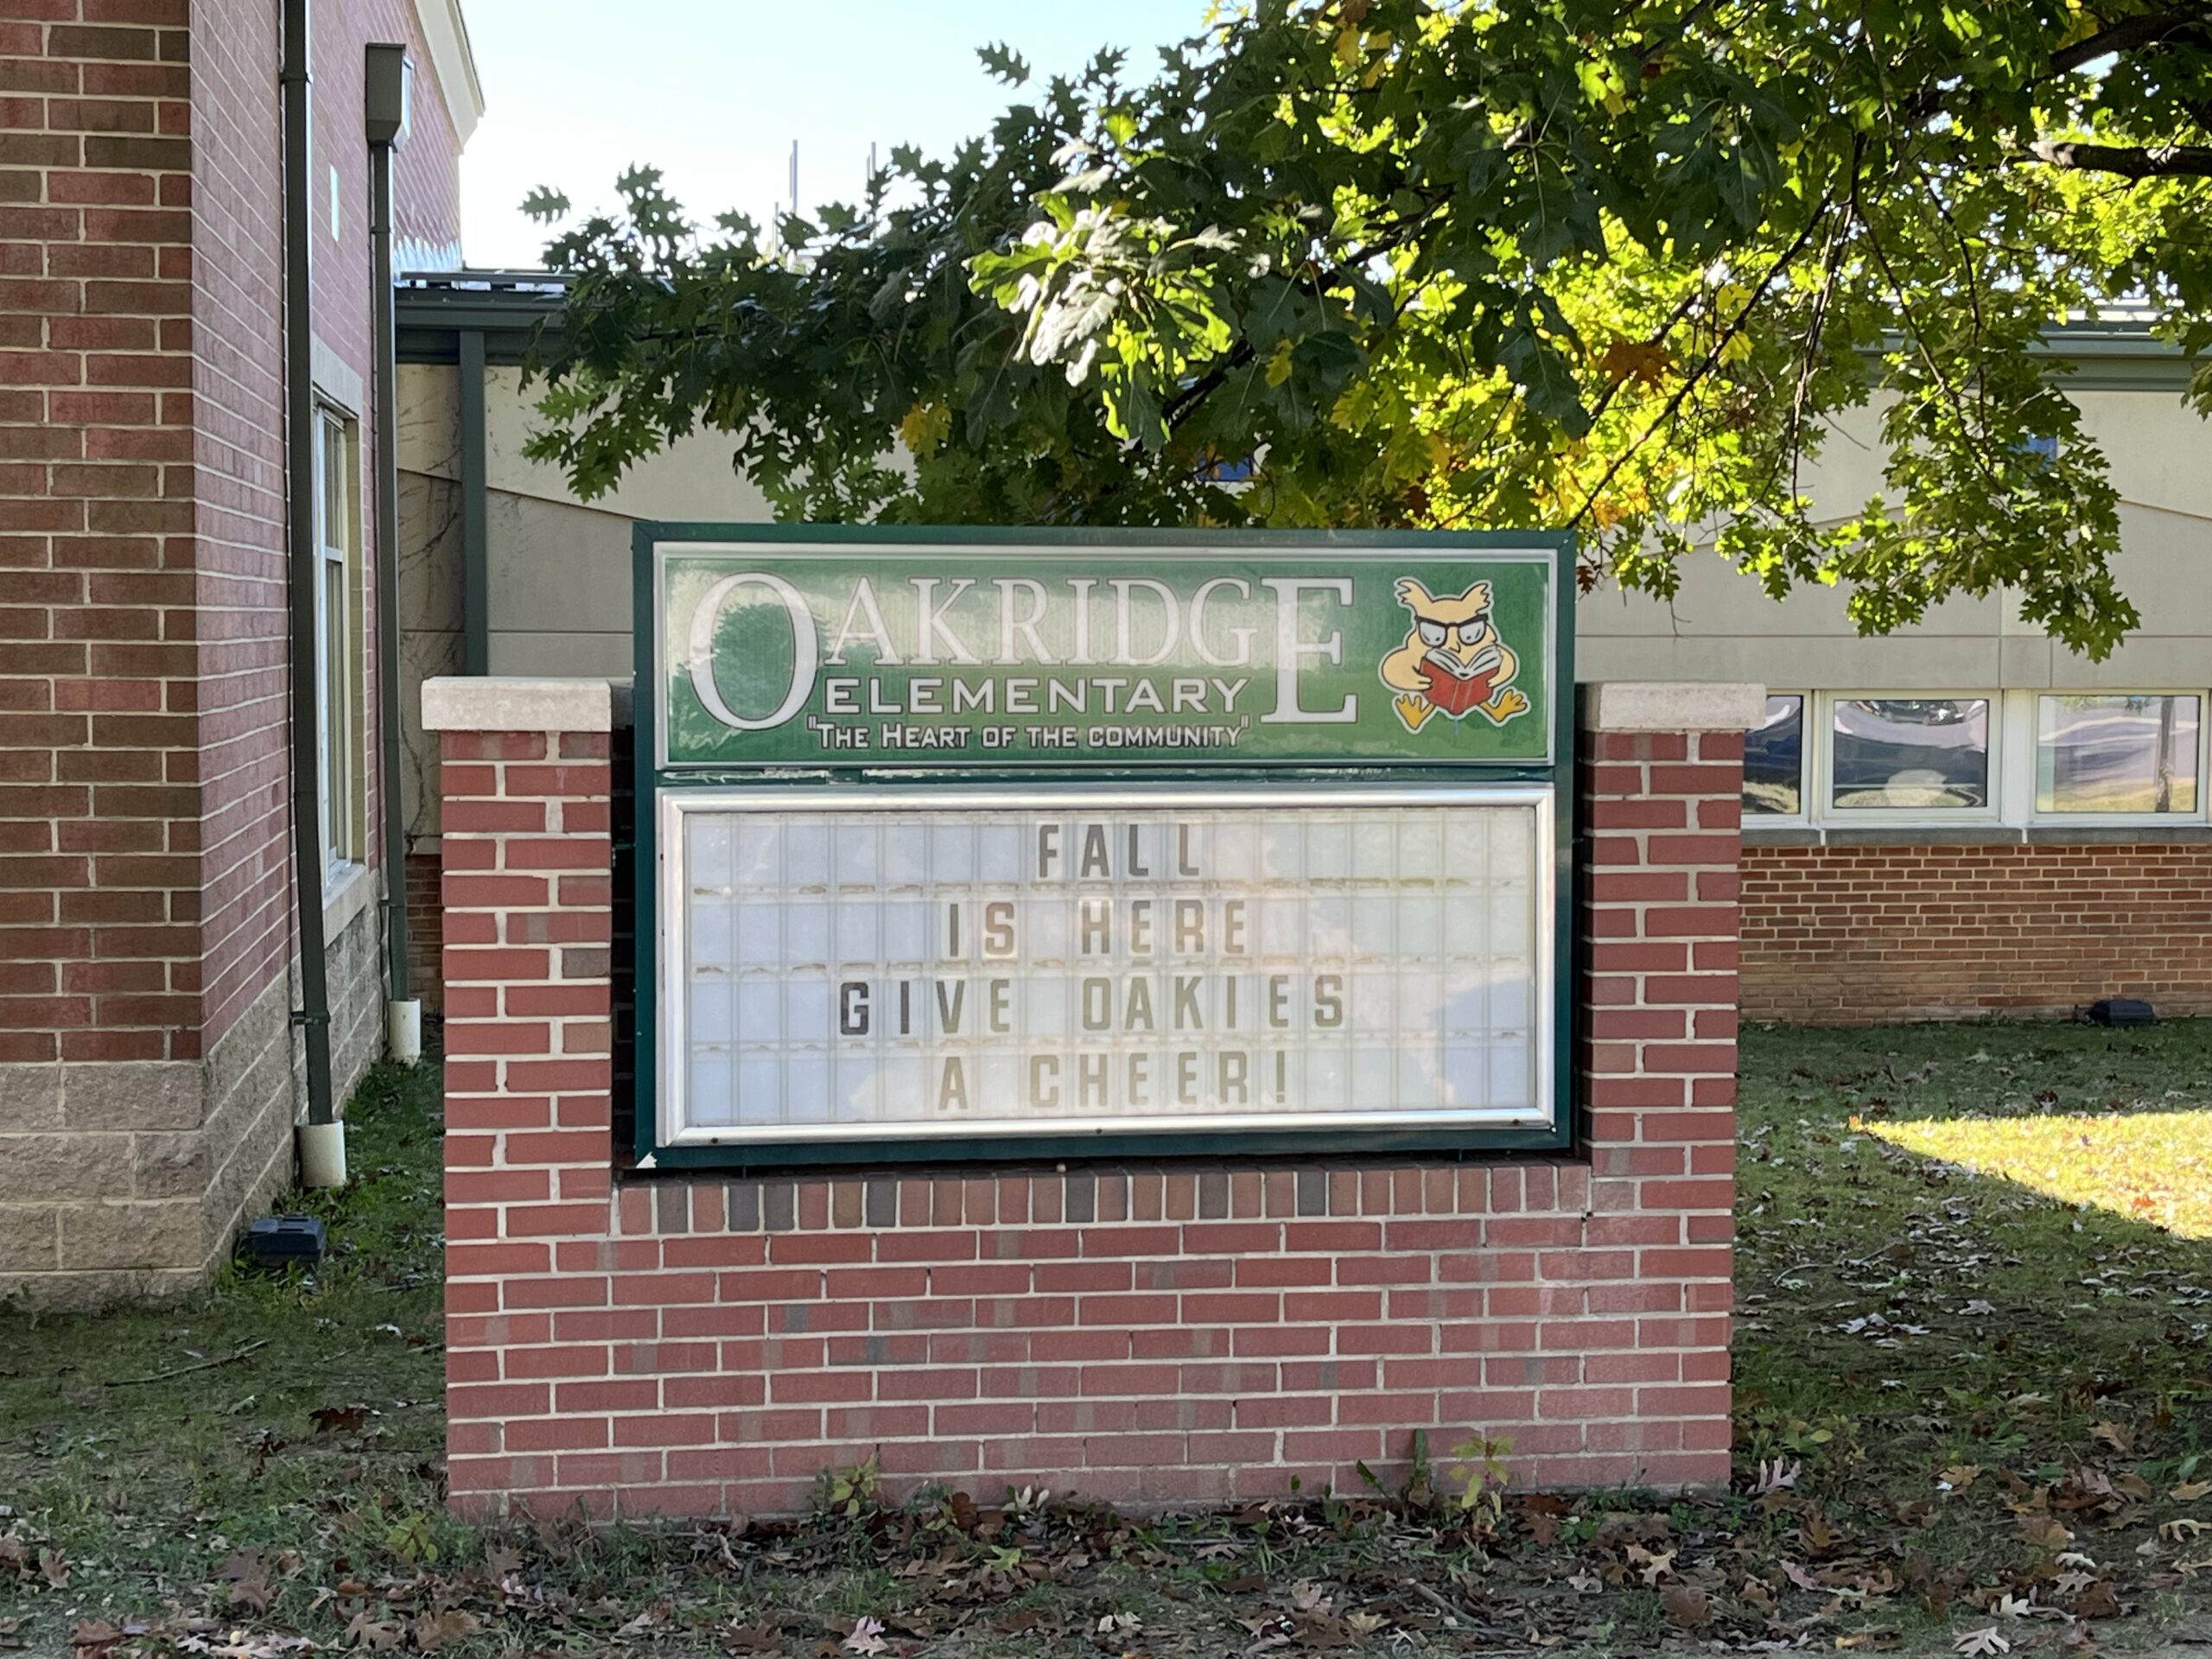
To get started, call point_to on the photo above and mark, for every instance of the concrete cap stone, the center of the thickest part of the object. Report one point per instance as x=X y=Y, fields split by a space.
x=1674 y=706
x=487 y=703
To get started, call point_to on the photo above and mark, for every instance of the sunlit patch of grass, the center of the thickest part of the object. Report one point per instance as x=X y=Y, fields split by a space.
x=2151 y=1166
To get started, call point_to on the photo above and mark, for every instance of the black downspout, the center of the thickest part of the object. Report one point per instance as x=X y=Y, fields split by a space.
x=313 y=1015
x=386 y=398
x=476 y=511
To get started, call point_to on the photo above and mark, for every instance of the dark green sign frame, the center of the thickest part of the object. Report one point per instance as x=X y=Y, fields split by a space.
x=1447 y=733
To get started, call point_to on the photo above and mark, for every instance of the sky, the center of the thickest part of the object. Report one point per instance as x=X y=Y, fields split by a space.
x=713 y=92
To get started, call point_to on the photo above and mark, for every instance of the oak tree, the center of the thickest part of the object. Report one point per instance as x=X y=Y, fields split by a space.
x=1617 y=268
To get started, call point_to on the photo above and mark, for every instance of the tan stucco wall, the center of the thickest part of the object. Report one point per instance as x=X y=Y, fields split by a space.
x=1722 y=626
x=560 y=572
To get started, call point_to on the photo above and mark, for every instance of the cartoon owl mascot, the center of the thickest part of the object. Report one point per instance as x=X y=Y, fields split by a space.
x=1452 y=660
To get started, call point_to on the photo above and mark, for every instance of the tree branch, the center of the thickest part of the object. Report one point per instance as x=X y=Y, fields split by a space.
x=1696 y=376
x=2148 y=162
x=2129 y=34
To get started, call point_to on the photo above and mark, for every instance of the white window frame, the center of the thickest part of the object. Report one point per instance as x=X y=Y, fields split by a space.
x=1808 y=703
x=2015 y=734
x=2024 y=727
x=339 y=771
x=1819 y=758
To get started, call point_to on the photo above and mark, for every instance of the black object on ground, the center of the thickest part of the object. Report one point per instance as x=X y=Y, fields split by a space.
x=280 y=1241
x=2122 y=1011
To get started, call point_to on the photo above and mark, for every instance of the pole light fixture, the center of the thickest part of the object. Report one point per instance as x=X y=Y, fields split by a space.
x=387 y=94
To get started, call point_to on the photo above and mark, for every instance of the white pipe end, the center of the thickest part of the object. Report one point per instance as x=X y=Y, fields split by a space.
x=322 y=1154
x=403 y=1030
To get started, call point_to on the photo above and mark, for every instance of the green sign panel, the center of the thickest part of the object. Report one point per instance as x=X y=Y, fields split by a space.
x=971 y=650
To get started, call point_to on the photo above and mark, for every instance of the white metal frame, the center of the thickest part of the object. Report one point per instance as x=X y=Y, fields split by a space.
x=2024 y=725
x=336 y=738
x=1820 y=756
x=1808 y=703
x=2014 y=739
x=672 y=952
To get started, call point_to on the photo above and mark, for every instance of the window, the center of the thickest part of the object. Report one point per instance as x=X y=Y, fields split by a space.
x=337 y=659
x=1830 y=760
x=1774 y=761
x=2125 y=753
x=1909 y=755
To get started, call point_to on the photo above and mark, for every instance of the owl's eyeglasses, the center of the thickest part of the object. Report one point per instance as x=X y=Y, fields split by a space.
x=1435 y=634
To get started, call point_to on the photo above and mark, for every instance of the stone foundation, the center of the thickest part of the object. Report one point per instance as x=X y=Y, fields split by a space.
x=127 y=1180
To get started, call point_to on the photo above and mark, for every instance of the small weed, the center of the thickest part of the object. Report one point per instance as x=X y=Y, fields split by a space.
x=849 y=1495
x=1479 y=1467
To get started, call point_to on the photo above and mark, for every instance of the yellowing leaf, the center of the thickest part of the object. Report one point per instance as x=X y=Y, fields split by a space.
x=923 y=427
x=1636 y=359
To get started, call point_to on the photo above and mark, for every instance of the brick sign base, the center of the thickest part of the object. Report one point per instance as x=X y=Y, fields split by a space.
x=1151 y=1336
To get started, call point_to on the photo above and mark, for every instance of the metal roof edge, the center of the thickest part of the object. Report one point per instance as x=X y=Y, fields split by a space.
x=509 y=307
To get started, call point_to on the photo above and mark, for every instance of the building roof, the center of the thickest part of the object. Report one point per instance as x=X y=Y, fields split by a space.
x=445 y=32
x=2117 y=353
x=433 y=308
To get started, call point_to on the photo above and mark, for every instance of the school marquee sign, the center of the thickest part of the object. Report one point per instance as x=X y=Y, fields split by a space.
x=972 y=842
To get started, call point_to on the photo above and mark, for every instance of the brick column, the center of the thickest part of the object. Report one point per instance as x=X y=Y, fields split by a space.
x=527 y=780
x=1661 y=809
x=1186 y=1330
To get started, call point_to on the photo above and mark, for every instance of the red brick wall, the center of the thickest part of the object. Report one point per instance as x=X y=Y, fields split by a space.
x=425 y=930
x=241 y=388
x=1842 y=935
x=1153 y=1334
x=238 y=389
x=100 y=805
x=143 y=813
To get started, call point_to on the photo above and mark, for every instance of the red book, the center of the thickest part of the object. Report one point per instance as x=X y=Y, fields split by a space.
x=1456 y=688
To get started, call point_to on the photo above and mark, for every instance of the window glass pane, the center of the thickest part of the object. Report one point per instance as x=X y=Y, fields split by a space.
x=1774 y=759
x=1912 y=753
x=2116 y=754
x=336 y=521
x=336 y=771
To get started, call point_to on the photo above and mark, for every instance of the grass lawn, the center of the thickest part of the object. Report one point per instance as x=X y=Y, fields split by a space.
x=1975 y=1374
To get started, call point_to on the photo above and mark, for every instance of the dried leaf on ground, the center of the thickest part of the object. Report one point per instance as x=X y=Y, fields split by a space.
x=434 y=1630
x=1687 y=1606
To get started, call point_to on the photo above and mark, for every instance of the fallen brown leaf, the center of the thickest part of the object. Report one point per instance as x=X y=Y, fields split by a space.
x=434 y=1630
x=252 y=1594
